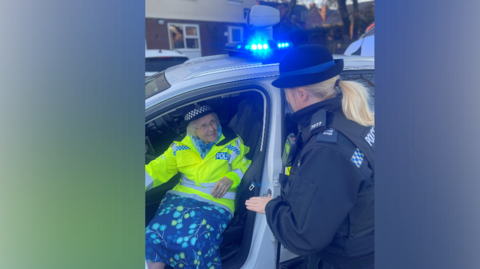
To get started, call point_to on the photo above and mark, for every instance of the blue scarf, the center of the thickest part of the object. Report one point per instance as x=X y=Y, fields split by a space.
x=205 y=148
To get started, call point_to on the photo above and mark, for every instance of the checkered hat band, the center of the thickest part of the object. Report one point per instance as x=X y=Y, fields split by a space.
x=197 y=111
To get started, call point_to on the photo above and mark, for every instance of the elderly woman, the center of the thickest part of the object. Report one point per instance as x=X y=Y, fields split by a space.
x=187 y=229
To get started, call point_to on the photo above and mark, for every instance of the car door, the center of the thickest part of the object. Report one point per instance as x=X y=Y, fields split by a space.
x=254 y=248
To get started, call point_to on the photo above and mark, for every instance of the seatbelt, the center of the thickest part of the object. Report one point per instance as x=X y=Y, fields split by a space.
x=257 y=176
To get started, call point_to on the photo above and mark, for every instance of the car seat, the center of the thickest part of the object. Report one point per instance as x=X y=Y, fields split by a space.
x=248 y=124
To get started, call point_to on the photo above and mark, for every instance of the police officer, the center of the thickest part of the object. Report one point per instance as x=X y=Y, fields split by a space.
x=326 y=207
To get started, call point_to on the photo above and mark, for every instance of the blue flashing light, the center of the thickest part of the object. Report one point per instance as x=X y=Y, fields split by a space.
x=239 y=46
x=254 y=47
x=259 y=46
x=283 y=45
x=286 y=44
x=265 y=46
x=279 y=45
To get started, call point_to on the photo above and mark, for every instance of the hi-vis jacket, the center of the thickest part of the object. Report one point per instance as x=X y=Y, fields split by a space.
x=198 y=176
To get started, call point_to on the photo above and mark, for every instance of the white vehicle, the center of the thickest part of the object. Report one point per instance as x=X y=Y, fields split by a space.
x=237 y=85
x=159 y=60
x=365 y=45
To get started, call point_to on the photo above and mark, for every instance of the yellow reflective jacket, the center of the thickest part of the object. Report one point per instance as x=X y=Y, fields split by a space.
x=226 y=158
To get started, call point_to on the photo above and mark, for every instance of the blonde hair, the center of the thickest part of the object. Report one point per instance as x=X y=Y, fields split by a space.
x=354 y=101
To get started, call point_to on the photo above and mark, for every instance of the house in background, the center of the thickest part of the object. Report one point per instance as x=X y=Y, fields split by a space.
x=364 y=9
x=196 y=27
x=318 y=16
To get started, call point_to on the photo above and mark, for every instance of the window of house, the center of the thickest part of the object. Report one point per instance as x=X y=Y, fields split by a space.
x=235 y=34
x=184 y=36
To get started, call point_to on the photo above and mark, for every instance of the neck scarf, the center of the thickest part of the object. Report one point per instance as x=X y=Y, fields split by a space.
x=205 y=148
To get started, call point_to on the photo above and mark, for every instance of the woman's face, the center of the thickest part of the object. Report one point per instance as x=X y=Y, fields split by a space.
x=206 y=129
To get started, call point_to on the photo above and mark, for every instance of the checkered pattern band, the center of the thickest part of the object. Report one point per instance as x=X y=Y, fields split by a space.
x=233 y=148
x=197 y=111
x=176 y=148
x=357 y=158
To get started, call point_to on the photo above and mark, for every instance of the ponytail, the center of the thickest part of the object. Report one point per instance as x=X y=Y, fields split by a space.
x=354 y=101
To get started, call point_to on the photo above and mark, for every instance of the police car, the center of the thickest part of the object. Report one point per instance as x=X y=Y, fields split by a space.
x=238 y=86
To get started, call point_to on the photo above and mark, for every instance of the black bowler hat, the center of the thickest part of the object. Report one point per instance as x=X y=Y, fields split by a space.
x=305 y=65
x=197 y=111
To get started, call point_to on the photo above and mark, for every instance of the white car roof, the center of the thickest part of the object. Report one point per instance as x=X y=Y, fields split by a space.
x=219 y=69
x=163 y=53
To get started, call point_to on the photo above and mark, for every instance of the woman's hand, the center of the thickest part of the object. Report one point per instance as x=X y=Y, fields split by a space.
x=258 y=204
x=221 y=187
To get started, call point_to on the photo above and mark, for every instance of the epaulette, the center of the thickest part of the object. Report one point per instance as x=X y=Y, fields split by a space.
x=329 y=136
x=319 y=119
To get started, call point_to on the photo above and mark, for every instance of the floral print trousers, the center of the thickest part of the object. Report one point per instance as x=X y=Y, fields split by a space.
x=186 y=233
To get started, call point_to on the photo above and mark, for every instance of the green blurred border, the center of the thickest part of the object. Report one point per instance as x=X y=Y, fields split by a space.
x=72 y=121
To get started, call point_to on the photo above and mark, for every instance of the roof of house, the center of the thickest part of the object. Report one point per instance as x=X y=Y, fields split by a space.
x=335 y=18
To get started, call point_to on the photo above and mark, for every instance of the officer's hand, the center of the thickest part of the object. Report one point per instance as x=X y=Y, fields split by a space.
x=221 y=187
x=258 y=204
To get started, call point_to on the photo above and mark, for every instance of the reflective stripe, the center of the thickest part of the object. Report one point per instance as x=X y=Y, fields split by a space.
x=148 y=181
x=174 y=148
x=205 y=187
x=239 y=173
x=235 y=150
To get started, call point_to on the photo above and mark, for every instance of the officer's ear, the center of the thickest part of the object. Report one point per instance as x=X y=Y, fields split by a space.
x=302 y=94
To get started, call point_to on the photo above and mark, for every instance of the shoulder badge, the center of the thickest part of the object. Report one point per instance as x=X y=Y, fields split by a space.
x=357 y=158
x=329 y=135
x=370 y=136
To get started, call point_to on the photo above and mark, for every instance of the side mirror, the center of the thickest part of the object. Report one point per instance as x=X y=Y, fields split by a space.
x=262 y=16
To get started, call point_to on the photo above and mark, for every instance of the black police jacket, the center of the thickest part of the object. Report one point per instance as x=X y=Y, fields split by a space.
x=326 y=204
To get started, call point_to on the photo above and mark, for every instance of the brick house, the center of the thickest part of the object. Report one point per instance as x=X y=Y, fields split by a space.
x=195 y=27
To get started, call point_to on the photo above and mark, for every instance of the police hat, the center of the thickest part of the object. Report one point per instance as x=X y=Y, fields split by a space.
x=197 y=111
x=305 y=65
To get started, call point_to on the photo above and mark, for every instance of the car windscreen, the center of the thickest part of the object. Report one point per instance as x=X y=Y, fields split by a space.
x=156 y=84
x=162 y=63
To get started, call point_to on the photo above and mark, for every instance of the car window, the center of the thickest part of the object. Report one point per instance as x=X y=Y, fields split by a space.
x=162 y=63
x=156 y=84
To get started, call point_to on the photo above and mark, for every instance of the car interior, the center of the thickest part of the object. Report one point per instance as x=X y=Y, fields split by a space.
x=243 y=113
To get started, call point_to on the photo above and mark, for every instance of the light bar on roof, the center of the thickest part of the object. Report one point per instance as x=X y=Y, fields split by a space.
x=260 y=48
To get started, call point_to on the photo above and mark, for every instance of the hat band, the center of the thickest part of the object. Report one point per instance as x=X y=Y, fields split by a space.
x=313 y=69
